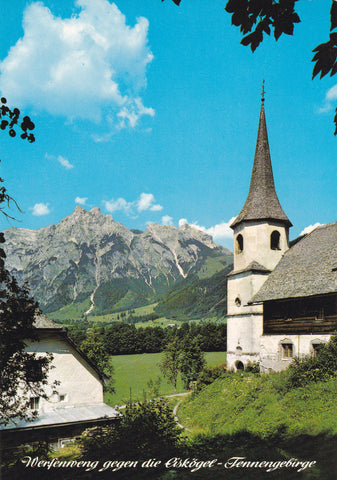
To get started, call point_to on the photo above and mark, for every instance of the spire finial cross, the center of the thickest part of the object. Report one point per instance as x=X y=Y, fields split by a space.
x=263 y=92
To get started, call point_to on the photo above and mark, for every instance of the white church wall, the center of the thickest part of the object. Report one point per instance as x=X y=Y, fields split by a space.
x=256 y=244
x=272 y=354
x=243 y=339
x=241 y=288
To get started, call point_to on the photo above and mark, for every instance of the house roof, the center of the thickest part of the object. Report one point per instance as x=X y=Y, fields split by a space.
x=42 y=322
x=262 y=202
x=45 y=323
x=308 y=268
x=65 y=416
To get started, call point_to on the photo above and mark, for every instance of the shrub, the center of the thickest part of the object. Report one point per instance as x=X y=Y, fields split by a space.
x=315 y=368
x=147 y=429
x=209 y=374
x=253 y=367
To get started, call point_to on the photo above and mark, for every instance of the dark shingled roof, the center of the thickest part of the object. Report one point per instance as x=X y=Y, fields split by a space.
x=308 y=268
x=262 y=202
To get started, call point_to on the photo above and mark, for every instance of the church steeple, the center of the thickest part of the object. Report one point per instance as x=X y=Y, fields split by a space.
x=262 y=202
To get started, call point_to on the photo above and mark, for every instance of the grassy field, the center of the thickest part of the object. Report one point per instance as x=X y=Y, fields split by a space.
x=261 y=406
x=135 y=371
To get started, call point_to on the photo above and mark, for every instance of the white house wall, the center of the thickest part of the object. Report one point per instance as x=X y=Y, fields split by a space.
x=80 y=384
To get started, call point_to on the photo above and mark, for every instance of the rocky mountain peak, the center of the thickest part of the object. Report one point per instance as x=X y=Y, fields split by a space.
x=90 y=259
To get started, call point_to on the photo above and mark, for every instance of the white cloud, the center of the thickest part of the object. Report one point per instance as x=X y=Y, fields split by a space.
x=40 y=209
x=219 y=232
x=331 y=96
x=166 y=220
x=132 y=112
x=310 y=228
x=119 y=204
x=97 y=67
x=145 y=202
x=65 y=162
x=62 y=160
x=182 y=221
x=81 y=200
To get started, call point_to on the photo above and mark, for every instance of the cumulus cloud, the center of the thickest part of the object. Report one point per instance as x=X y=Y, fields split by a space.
x=145 y=202
x=166 y=220
x=330 y=97
x=310 y=228
x=40 y=209
x=89 y=66
x=119 y=204
x=81 y=200
x=219 y=232
x=182 y=221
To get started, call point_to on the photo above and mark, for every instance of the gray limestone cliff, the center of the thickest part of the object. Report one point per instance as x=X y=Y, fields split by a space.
x=90 y=258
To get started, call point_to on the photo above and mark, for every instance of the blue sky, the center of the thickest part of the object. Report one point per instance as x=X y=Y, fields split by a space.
x=150 y=111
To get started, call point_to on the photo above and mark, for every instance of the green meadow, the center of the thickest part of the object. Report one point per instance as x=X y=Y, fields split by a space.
x=261 y=406
x=135 y=371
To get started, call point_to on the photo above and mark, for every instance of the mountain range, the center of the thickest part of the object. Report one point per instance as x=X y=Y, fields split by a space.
x=99 y=266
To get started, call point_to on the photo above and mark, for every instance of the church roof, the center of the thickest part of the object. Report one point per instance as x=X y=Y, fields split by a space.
x=308 y=268
x=254 y=267
x=262 y=202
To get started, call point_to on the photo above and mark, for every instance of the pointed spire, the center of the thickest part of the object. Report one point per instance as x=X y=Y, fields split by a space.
x=262 y=202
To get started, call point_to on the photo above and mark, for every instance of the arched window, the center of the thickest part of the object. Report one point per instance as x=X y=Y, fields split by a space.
x=237 y=302
x=275 y=240
x=239 y=365
x=239 y=243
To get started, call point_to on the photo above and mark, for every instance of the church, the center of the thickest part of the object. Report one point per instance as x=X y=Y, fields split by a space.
x=282 y=297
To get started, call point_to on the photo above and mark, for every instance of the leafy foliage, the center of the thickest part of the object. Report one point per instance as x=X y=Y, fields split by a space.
x=183 y=356
x=266 y=15
x=257 y=17
x=94 y=348
x=10 y=119
x=145 y=430
x=121 y=338
x=192 y=360
x=317 y=368
x=194 y=298
x=170 y=364
x=22 y=374
x=208 y=375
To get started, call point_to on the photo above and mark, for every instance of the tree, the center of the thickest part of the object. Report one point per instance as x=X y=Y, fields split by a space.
x=146 y=430
x=258 y=17
x=192 y=360
x=94 y=349
x=170 y=364
x=22 y=374
x=183 y=355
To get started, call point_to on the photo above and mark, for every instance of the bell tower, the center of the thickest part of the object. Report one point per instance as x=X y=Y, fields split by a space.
x=261 y=233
